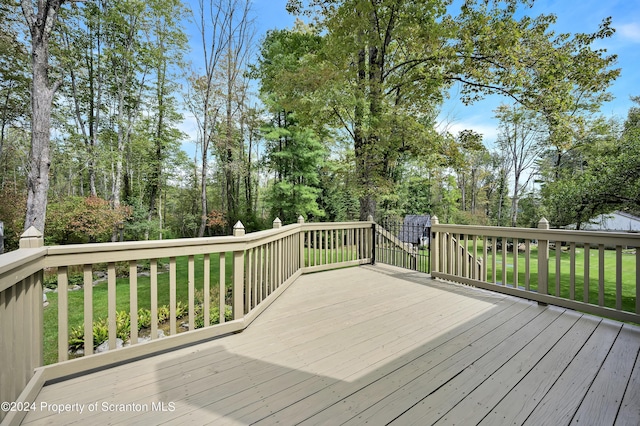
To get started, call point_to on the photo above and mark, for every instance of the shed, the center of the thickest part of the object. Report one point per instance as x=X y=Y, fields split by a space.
x=415 y=230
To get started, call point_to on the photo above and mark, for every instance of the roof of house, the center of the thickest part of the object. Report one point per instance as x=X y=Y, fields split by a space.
x=414 y=228
x=615 y=221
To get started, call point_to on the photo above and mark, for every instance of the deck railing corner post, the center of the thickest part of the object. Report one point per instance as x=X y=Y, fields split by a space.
x=543 y=259
x=277 y=223
x=31 y=238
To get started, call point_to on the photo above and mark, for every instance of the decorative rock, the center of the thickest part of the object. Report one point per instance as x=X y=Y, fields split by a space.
x=104 y=346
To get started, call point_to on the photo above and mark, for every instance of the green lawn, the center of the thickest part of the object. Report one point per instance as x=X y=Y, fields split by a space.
x=628 y=274
x=100 y=306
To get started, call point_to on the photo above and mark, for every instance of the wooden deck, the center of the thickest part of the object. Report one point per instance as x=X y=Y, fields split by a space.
x=377 y=345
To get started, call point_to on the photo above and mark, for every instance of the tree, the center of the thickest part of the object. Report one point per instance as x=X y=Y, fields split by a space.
x=41 y=22
x=295 y=156
x=520 y=141
x=386 y=63
x=14 y=76
x=604 y=176
x=82 y=58
x=225 y=30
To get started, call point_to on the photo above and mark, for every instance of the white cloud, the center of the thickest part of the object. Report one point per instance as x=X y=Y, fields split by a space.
x=630 y=31
x=486 y=126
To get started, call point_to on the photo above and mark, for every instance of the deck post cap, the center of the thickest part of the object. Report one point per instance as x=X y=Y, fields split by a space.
x=435 y=220
x=300 y=219
x=277 y=223
x=370 y=218
x=31 y=238
x=543 y=224
x=238 y=229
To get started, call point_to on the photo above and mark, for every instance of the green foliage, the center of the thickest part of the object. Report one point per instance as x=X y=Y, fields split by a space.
x=123 y=326
x=144 y=318
x=600 y=175
x=77 y=219
x=12 y=213
x=383 y=67
x=214 y=315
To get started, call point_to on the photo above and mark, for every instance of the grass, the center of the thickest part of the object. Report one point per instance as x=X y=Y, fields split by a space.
x=628 y=274
x=100 y=305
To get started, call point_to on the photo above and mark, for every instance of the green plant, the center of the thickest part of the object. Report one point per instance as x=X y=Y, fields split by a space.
x=123 y=325
x=144 y=318
x=214 y=315
x=181 y=310
x=50 y=281
x=164 y=313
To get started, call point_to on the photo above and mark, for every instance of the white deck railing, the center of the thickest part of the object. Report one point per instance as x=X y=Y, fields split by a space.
x=263 y=265
x=586 y=270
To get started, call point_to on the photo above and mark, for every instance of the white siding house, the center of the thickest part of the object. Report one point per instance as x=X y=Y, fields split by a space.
x=615 y=222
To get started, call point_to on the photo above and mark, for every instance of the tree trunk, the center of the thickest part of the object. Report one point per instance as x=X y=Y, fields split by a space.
x=40 y=24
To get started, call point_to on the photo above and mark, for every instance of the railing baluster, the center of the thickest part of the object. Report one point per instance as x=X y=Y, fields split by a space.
x=173 y=328
x=222 y=288
x=558 y=260
x=601 y=274
x=274 y=266
x=527 y=264
x=63 y=314
x=206 y=290
x=505 y=246
x=260 y=272
x=254 y=274
x=572 y=270
x=191 y=292
x=327 y=246
x=587 y=267
x=494 y=256
x=637 y=280
x=88 y=309
x=154 y=297
x=475 y=266
x=111 y=303
x=249 y=283
x=465 y=256
x=133 y=301
x=314 y=240
x=516 y=242
x=485 y=241
x=618 y=277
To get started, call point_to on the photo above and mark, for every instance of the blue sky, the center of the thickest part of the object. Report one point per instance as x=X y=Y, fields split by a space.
x=572 y=16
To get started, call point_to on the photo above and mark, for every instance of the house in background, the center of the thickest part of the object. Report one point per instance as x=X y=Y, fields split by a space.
x=415 y=230
x=613 y=222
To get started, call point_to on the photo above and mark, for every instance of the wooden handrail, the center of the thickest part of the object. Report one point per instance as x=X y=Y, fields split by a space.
x=447 y=265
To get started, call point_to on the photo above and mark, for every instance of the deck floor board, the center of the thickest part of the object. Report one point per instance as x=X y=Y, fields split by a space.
x=378 y=345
